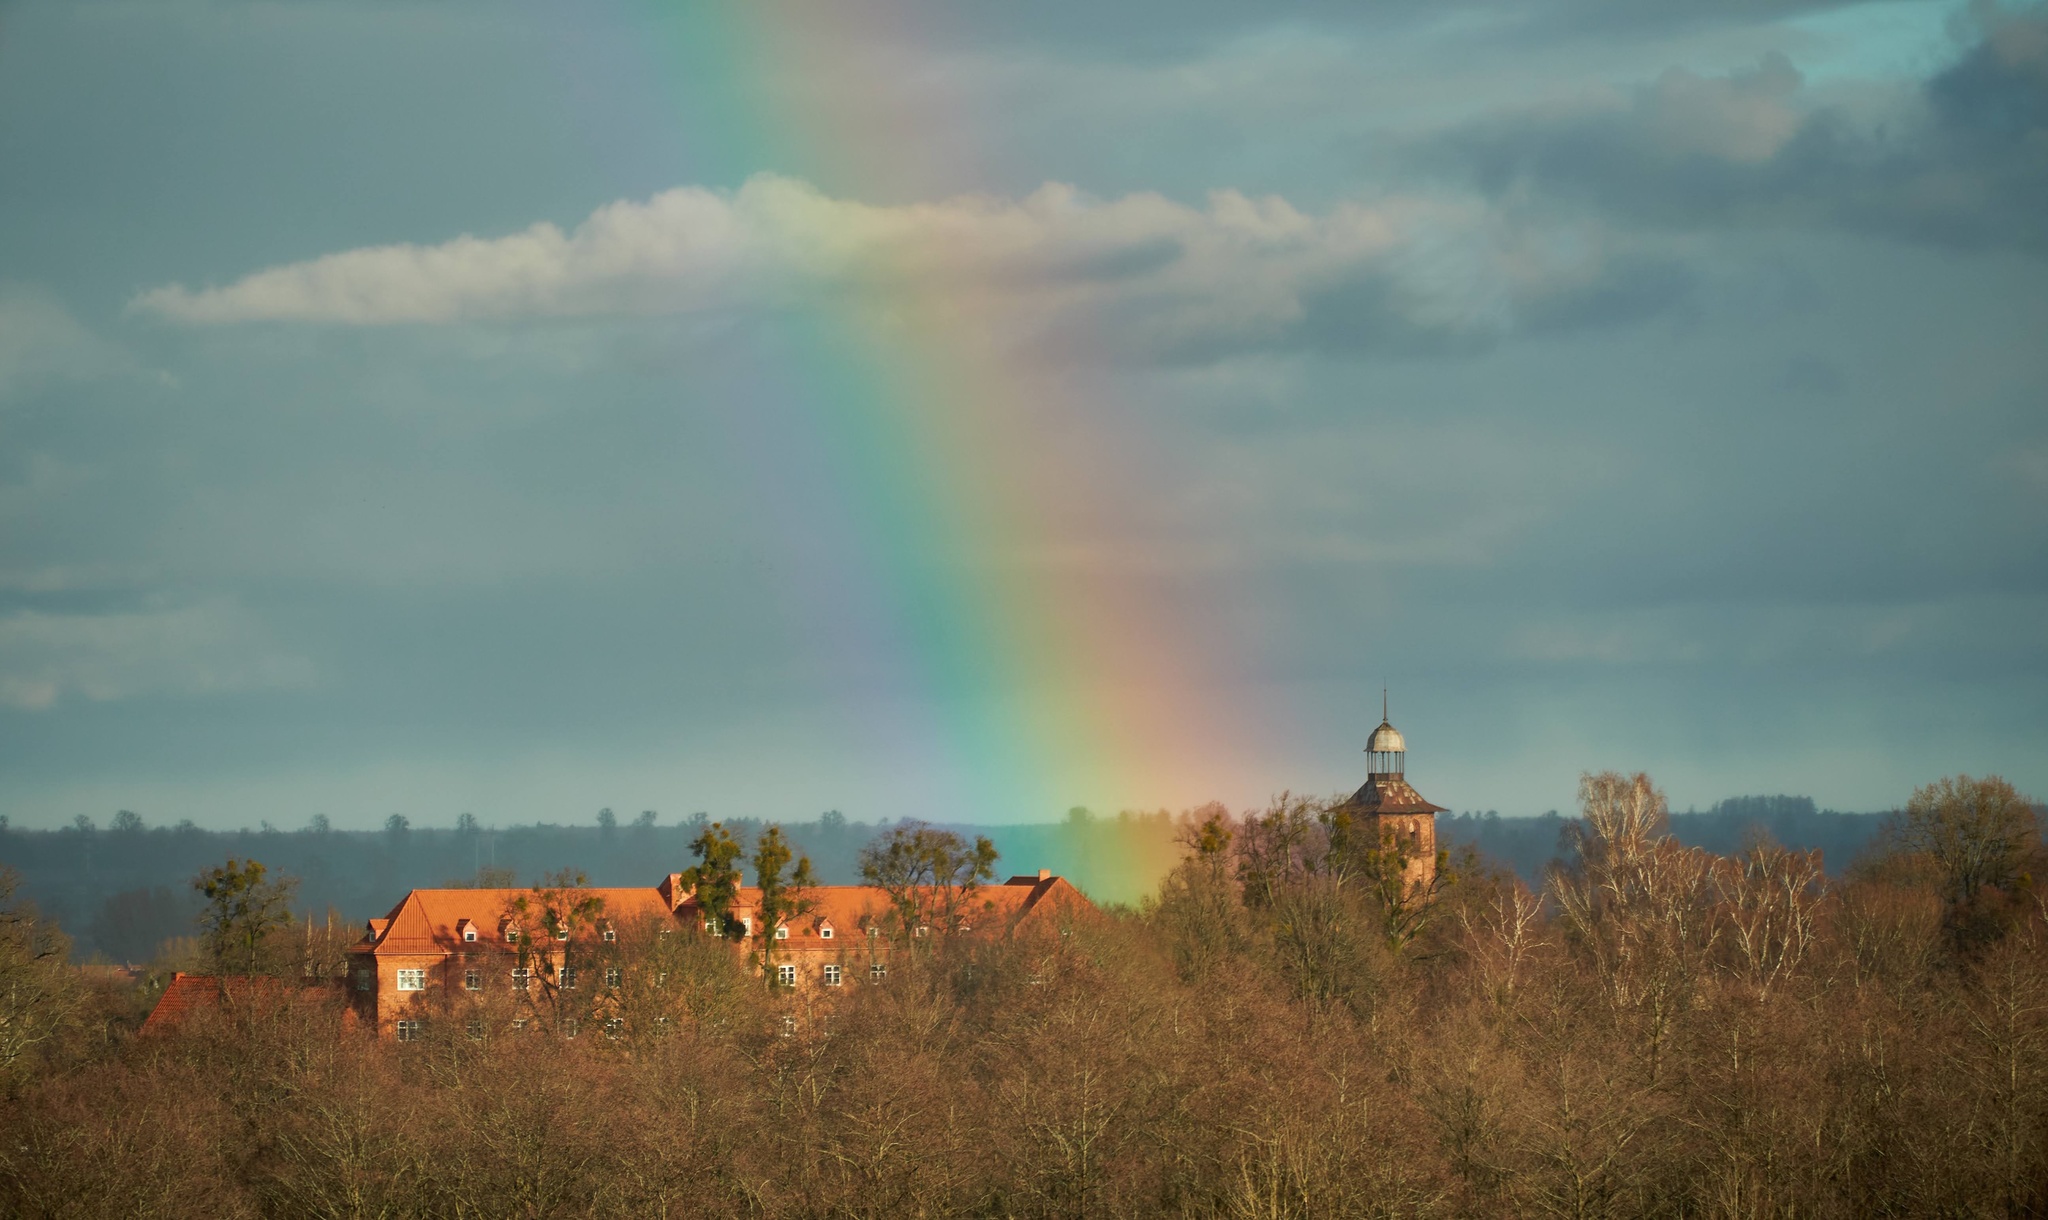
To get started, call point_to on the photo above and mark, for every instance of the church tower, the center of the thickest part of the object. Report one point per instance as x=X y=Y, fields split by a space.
x=1388 y=809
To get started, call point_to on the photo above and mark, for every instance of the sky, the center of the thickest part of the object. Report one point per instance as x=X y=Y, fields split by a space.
x=968 y=411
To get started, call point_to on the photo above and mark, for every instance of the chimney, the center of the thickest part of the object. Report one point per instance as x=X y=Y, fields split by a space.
x=1045 y=874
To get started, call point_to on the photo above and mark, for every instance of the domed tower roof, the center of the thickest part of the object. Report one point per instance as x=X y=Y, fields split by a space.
x=1386 y=788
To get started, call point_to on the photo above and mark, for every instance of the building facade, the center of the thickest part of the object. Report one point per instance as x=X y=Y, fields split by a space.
x=583 y=959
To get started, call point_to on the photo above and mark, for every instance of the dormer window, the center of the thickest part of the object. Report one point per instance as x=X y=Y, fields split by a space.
x=782 y=933
x=824 y=931
x=467 y=930
x=511 y=933
x=562 y=933
x=610 y=933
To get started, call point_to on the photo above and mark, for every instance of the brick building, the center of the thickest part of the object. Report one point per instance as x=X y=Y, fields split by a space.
x=1390 y=812
x=596 y=957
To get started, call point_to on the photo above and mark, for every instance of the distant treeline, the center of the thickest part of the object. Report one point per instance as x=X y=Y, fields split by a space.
x=1528 y=845
x=120 y=890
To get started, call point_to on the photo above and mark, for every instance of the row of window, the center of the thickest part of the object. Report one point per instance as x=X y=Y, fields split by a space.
x=512 y=933
x=410 y=1029
x=565 y=977
x=611 y=934
x=832 y=975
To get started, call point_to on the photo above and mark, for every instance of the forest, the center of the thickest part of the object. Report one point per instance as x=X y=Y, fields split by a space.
x=121 y=890
x=1280 y=1028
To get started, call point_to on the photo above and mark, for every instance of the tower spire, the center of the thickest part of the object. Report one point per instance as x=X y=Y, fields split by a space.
x=1383 y=704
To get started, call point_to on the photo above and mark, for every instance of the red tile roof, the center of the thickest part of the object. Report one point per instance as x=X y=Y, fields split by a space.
x=187 y=994
x=429 y=921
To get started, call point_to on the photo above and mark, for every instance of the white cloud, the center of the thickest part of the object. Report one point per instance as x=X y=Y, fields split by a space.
x=1163 y=274
x=205 y=649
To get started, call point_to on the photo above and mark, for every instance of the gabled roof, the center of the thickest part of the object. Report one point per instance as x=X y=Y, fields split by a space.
x=428 y=921
x=1389 y=794
x=849 y=909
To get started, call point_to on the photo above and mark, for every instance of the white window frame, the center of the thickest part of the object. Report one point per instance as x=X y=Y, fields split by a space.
x=614 y=1026
x=569 y=1027
x=613 y=976
x=781 y=933
x=511 y=935
x=411 y=979
x=407 y=1029
x=565 y=977
x=522 y=979
x=469 y=932
x=611 y=934
x=834 y=976
x=472 y=980
x=877 y=971
x=825 y=931
x=785 y=974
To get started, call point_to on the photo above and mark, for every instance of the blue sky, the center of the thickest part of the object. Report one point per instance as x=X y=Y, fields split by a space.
x=1643 y=386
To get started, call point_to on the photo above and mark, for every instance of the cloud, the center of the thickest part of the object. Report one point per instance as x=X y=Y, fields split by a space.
x=41 y=342
x=205 y=649
x=1960 y=159
x=1142 y=269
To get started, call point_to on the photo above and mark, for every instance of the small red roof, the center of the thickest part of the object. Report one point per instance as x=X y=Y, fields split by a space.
x=186 y=994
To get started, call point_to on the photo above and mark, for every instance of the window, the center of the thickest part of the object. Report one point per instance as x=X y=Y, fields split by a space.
x=473 y=980
x=412 y=980
x=873 y=930
x=469 y=932
x=518 y=1023
x=408 y=1030
x=610 y=933
x=825 y=932
x=786 y=975
x=520 y=979
x=710 y=926
x=476 y=1030
x=562 y=933
x=878 y=971
x=613 y=976
x=782 y=933
x=788 y=1026
x=366 y=980
x=614 y=1026
x=832 y=976
x=566 y=976
x=661 y=980
x=511 y=935
x=568 y=1027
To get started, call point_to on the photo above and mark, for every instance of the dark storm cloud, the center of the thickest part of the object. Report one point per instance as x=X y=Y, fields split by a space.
x=1963 y=163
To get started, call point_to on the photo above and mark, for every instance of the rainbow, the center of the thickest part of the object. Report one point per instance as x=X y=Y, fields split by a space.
x=960 y=475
